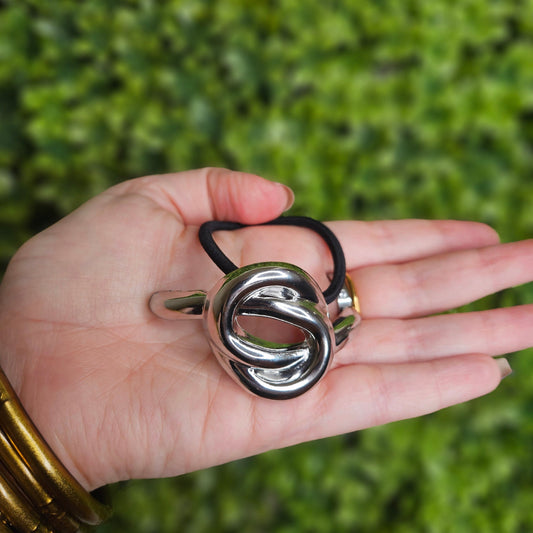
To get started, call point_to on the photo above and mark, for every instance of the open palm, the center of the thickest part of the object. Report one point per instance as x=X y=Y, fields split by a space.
x=119 y=393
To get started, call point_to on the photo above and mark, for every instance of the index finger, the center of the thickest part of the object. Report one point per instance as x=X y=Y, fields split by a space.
x=398 y=241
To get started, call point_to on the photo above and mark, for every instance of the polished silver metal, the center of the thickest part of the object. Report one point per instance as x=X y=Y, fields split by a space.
x=278 y=291
x=178 y=304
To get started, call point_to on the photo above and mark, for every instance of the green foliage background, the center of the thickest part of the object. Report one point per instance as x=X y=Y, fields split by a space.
x=370 y=109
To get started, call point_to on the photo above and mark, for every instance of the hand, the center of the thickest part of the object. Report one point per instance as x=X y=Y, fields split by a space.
x=119 y=393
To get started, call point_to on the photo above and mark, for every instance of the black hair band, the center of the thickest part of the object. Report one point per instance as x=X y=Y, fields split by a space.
x=207 y=229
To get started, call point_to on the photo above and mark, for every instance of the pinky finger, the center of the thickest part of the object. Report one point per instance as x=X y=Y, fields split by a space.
x=360 y=396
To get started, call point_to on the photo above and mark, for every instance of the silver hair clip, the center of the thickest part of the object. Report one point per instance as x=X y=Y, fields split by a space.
x=274 y=290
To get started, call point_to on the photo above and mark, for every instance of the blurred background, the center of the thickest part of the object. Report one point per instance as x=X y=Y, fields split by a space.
x=368 y=110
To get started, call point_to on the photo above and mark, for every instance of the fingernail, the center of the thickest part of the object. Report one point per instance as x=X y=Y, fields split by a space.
x=505 y=367
x=290 y=196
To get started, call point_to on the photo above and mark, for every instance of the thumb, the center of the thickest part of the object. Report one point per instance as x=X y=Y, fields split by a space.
x=197 y=196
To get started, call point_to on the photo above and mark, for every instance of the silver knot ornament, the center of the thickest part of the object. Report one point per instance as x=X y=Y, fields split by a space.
x=277 y=291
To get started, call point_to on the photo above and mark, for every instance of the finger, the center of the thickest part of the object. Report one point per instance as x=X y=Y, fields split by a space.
x=394 y=241
x=361 y=396
x=495 y=332
x=197 y=196
x=377 y=394
x=442 y=282
x=364 y=243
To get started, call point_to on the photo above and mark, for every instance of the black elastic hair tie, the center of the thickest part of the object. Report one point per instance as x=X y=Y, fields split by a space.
x=207 y=229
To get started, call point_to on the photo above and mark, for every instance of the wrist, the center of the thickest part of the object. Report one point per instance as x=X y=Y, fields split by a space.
x=55 y=405
x=37 y=490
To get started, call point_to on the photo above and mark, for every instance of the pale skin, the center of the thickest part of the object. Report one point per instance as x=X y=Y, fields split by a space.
x=119 y=393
